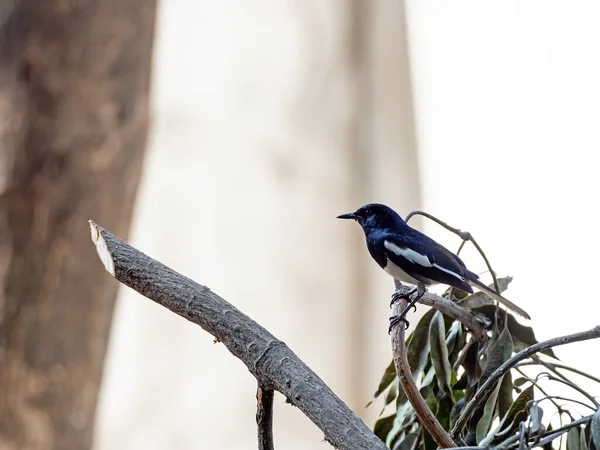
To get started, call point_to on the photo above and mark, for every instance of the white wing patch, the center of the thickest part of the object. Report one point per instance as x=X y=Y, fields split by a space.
x=411 y=255
x=437 y=266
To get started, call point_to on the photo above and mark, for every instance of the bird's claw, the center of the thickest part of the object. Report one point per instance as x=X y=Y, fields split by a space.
x=397 y=296
x=395 y=320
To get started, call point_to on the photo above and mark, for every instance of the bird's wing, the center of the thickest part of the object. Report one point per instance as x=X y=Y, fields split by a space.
x=424 y=259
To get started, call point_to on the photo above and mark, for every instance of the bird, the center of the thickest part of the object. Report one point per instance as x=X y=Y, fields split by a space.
x=414 y=258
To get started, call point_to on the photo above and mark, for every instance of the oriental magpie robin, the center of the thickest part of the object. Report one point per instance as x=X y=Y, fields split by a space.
x=411 y=257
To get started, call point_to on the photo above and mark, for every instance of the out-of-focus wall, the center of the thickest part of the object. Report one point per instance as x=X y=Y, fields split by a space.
x=270 y=118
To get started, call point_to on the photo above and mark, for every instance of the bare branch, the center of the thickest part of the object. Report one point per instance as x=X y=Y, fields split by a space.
x=553 y=434
x=271 y=362
x=483 y=393
x=264 y=418
x=424 y=414
x=554 y=366
x=451 y=309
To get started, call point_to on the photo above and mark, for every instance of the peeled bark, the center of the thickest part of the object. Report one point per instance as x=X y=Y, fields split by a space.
x=74 y=86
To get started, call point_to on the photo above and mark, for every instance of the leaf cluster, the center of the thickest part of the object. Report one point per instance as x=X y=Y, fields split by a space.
x=449 y=365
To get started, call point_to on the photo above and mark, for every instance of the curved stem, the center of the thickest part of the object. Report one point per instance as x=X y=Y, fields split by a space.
x=553 y=434
x=424 y=414
x=535 y=383
x=555 y=366
x=573 y=386
x=565 y=399
x=483 y=393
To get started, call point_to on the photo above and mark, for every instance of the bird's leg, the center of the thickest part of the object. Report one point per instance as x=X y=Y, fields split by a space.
x=394 y=320
x=397 y=296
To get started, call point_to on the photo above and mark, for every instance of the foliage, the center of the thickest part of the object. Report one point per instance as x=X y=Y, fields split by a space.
x=449 y=365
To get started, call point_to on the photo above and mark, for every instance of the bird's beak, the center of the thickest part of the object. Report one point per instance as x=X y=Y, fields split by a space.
x=347 y=216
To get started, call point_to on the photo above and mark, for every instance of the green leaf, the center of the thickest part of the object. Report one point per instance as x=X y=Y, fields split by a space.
x=432 y=403
x=520 y=333
x=536 y=413
x=392 y=394
x=515 y=415
x=479 y=299
x=595 y=427
x=445 y=411
x=582 y=440
x=521 y=381
x=388 y=376
x=405 y=417
x=456 y=410
x=484 y=424
x=589 y=442
x=573 y=439
x=471 y=364
x=426 y=386
x=383 y=426
x=439 y=353
x=548 y=446
x=453 y=334
x=499 y=352
x=418 y=348
x=505 y=395
x=428 y=442
x=408 y=443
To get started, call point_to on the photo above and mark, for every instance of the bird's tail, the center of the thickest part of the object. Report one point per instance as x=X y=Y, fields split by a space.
x=492 y=293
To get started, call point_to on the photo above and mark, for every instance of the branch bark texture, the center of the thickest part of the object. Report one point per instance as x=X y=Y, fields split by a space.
x=270 y=360
x=424 y=414
x=451 y=309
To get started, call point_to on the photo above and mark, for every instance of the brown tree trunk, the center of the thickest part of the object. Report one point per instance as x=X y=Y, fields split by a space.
x=74 y=83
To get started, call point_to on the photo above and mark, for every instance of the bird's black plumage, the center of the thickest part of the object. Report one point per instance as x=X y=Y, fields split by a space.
x=410 y=256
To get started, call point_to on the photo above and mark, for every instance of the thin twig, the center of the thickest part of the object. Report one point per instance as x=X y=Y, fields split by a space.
x=565 y=399
x=264 y=417
x=535 y=383
x=483 y=393
x=553 y=366
x=573 y=386
x=422 y=411
x=465 y=236
x=553 y=434
x=270 y=360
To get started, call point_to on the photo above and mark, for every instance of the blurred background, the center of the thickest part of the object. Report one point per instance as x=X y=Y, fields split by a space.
x=249 y=127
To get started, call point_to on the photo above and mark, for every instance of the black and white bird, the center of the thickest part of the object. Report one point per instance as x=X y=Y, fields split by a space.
x=414 y=258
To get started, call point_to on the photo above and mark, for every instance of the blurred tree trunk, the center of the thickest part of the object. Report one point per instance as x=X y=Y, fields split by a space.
x=74 y=83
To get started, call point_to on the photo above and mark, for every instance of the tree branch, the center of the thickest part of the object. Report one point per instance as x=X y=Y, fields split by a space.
x=424 y=414
x=475 y=324
x=483 y=393
x=271 y=362
x=264 y=418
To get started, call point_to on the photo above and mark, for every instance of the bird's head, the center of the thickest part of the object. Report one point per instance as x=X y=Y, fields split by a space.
x=375 y=215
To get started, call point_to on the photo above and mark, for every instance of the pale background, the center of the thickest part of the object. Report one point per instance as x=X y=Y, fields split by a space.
x=272 y=117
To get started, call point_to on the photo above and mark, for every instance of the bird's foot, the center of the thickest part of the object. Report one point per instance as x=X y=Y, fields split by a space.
x=397 y=296
x=395 y=320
